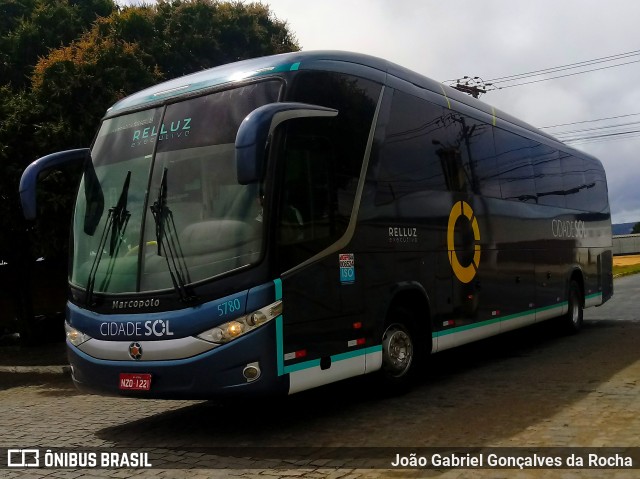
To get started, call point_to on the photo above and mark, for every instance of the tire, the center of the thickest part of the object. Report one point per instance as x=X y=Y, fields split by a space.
x=402 y=355
x=572 y=321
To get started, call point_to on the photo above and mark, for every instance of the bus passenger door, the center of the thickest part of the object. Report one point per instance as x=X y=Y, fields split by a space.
x=322 y=333
x=319 y=161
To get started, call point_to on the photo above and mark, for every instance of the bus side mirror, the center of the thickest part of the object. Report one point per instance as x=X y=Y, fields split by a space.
x=256 y=129
x=29 y=178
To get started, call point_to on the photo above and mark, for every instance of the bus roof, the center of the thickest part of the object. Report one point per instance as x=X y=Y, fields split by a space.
x=356 y=63
x=255 y=67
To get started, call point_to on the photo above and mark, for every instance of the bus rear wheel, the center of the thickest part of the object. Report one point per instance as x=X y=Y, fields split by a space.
x=572 y=321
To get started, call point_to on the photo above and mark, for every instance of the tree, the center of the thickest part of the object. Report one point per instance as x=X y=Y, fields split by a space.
x=64 y=62
x=30 y=28
x=636 y=229
x=78 y=82
x=191 y=35
x=139 y=46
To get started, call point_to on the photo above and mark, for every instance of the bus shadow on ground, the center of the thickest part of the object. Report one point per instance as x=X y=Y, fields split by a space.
x=472 y=396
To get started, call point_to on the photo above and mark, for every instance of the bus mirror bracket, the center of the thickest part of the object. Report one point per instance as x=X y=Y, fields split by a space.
x=256 y=130
x=29 y=179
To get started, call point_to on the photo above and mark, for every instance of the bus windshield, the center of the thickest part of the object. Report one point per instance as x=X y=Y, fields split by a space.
x=159 y=205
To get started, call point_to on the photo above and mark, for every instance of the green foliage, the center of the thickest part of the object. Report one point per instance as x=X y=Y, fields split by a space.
x=625 y=270
x=187 y=36
x=636 y=229
x=93 y=72
x=12 y=12
x=138 y=46
x=17 y=114
x=30 y=28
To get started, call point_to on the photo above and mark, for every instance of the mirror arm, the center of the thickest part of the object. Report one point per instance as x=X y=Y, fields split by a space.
x=29 y=179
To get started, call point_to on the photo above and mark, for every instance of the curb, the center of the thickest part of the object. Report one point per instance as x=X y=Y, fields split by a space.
x=36 y=369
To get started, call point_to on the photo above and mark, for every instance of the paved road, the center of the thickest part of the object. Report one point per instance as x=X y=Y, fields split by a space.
x=625 y=304
x=532 y=388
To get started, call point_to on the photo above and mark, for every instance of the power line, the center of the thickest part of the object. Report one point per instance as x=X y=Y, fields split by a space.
x=605 y=135
x=564 y=76
x=588 y=121
x=597 y=134
x=628 y=135
x=617 y=125
x=475 y=86
x=568 y=66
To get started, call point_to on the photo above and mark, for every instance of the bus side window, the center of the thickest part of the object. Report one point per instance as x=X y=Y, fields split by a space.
x=596 y=184
x=573 y=180
x=322 y=159
x=307 y=200
x=514 y=165
x=410 y=158
x=548 y=175
x=472 y=157
x=482 y=159
x=309 y=217
x=454 y=151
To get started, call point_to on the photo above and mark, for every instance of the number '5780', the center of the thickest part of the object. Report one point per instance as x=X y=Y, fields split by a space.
x=231 y=306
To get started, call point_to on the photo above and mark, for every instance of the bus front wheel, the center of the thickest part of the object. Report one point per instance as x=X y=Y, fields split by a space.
x=401 y=353
x=397 y=351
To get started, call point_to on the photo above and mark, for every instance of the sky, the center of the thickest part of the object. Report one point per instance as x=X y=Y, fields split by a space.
x=497 y=38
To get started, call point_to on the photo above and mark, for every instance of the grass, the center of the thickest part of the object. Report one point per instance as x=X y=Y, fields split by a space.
x=625 y=270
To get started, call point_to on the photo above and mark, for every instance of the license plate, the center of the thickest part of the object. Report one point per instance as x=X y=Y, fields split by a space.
x=135 y=382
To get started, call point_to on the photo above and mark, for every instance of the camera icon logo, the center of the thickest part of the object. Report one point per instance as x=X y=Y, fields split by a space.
x=23 y=458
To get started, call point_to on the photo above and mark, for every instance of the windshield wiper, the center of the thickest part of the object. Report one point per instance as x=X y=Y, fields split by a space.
x=94 y=198
x=169 y=242
x=116 y=224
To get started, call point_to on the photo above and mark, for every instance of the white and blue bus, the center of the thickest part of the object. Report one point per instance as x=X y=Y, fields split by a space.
x=281 y=223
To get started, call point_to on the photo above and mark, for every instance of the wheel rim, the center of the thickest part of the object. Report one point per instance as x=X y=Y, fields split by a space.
x=575 y=314
x=575 y=310
x=397 y=349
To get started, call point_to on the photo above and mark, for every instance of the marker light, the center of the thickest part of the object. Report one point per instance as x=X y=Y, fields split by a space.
x=234 y=329
x=74 y=336
x=256 y=319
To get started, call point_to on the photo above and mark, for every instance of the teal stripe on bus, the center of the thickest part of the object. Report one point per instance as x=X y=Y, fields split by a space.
x=300 y=366
x=279 y=335
x=278 y=284
x=336 y=358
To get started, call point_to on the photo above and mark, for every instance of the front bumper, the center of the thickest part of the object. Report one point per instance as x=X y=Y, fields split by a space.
x=211 y=374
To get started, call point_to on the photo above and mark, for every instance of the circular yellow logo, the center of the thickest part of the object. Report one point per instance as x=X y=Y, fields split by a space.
x=463 y=273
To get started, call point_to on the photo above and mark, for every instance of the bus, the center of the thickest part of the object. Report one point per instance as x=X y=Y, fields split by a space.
x=285 y=222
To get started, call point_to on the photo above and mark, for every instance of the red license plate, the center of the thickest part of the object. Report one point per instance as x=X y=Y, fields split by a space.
x=135 y=382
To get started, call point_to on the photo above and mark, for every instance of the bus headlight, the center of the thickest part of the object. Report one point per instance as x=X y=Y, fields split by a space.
x=74 y=336
x=234 y=329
